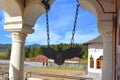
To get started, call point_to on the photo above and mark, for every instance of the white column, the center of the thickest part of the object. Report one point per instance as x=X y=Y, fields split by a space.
x=19 y=33
x=16 y=68
x=105 y=27
x=107 y=72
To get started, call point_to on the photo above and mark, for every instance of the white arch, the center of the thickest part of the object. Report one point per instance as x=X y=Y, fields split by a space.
x=98 y=9
x=92 y=6
x=32 y=11
x=105 y=27
x=11 y=8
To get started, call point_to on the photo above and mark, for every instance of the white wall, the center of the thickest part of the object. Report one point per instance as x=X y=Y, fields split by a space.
x=96 y=50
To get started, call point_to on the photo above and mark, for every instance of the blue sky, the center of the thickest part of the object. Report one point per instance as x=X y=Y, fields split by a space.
x=61 y=18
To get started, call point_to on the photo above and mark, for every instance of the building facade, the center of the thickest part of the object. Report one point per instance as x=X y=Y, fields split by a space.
x=95 y=57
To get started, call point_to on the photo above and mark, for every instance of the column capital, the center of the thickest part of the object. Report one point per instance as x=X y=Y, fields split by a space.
x=105 y=23
x=106 y=30
x=18 y=37
x=107 y=37
x=15 y=24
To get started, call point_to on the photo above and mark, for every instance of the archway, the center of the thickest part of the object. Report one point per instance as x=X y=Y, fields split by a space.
x=105 y=27
x=20 y=31
x=18 y=17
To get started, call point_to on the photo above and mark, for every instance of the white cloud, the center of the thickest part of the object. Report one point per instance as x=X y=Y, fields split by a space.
x=40 y=37
x=78 y=38
x=61 y=20
x=37 y=36
x=81 y=38
x=8 y=36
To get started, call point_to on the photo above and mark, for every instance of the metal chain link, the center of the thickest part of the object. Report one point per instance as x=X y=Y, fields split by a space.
x=75 y=23
x=47 y=26
x=47 y=7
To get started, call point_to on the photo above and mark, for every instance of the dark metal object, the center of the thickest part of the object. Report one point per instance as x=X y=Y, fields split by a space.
x=46 y=4
x=75 y=23
x=47 y=25
x=60 y=56
x=47 y=7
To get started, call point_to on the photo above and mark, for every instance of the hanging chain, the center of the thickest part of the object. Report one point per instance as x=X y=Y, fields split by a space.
x=75 y=23
x=46 y=4
x=47 y=7
x=47 y=26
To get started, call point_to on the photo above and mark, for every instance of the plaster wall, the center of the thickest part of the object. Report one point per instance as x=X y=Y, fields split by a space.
x=96 y=50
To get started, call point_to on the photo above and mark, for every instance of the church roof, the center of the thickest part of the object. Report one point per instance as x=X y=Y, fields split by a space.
x=97 y=40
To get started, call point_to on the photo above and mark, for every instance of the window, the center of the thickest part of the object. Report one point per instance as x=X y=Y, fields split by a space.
x=91 y=62
x=99 y=62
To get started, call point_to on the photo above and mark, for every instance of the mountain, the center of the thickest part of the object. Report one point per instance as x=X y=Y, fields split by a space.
x=4 y=47
x=36 y=45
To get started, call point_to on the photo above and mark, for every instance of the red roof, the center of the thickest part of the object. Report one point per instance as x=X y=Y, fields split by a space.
x=74 y=59
x=41 y=58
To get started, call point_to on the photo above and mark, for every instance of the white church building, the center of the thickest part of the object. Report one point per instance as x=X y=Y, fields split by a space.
x=95 y=56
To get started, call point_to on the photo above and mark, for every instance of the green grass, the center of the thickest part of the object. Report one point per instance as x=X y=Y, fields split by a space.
x=62 y=68
x=83 y=62
x=3 y=55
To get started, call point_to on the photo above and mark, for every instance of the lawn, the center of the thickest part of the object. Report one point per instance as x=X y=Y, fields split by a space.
x=3 y=54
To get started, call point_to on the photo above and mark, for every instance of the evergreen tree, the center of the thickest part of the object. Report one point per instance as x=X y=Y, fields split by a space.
x=34 y=51
x=8 y=52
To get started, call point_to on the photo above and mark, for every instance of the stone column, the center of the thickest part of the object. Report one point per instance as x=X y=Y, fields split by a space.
x=19 y=32
x=105 y=27
x=16 y=68
x=107 y=72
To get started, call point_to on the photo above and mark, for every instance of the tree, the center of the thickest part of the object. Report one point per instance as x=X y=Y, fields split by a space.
x=27 y=51
x=33 y=51
x=8 y=52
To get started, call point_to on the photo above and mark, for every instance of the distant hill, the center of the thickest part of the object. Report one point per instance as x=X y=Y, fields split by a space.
x=4 y=47
x=36 y=45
